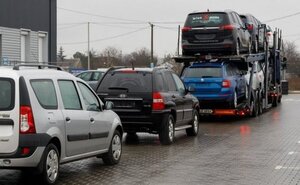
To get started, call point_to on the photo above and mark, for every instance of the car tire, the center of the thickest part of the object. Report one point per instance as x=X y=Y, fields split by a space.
x=254 y=107
x=237 y=48
x=246 y=92
x=255 y=47
x=234 y=102
x=193 y=131
x=275 y=102
x=49 y=165
x=167 y=131
x=249 y=47
x=114 y=153
x=260 y=103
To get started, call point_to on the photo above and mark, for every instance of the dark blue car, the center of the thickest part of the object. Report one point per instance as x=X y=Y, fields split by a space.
x=216 y=84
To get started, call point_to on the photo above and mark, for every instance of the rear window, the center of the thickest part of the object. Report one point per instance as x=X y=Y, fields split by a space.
x=244 y=19
x=206 y=20
x=7 y=94
x=203 y=72
x=127 y=81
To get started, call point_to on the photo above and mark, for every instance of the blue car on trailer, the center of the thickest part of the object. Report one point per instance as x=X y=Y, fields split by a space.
x=217 y=85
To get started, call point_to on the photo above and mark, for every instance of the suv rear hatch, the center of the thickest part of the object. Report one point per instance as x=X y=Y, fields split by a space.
x=129 y=90
x=204 y=79
x=9 y=119
x=206 y=27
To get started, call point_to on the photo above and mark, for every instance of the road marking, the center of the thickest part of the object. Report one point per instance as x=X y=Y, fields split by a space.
x=298 y=142
x=286 y=168
x=291 y=100
x=291 y=153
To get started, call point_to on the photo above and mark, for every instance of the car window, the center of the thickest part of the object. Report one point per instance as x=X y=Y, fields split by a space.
x=203 y=72
x=97 y=76
x=7 y=94
x=90 y=100
x=45 y=93
x=159 y=82
x=170 y=81
x=206 y=19
x=179 y=85
x=258 y=67
x=244 y=19
x=131 y=81
x=86 y=76
x=69 y=95
x=240 y=22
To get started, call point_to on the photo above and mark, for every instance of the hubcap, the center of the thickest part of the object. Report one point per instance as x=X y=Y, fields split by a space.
x=52 y=165
x=196 y=122
x=171 y=130
x=116 y=147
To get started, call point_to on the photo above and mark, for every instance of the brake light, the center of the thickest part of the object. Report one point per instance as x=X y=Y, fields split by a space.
x=186 y=29
x=227 y=27
x=269 y=33
x=26 y=120
x=250 y=27
x=158 y=101
x=226 y=83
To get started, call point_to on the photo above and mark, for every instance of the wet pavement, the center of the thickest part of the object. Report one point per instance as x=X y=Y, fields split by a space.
x=262 y=150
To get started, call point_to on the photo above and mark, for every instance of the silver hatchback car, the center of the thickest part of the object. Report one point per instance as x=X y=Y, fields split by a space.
x=49 y=117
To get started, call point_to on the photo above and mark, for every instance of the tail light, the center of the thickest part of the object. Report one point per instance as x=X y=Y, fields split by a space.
x=186 y=29
x=269 y=33
x=158 y=101
x=226 y=83
x=26 y=120
x=250 y=27
x=227 y=27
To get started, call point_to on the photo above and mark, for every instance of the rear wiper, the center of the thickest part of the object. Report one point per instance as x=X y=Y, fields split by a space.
x=119 y=88
x=207 y=76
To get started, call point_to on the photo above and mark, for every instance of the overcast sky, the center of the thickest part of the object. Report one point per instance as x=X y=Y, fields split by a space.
x=124 y=23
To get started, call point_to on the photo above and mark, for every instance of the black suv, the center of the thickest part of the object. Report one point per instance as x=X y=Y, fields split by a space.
x=214 y=33
x=150 y=100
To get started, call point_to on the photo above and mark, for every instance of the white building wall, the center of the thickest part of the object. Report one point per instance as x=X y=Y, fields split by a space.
x=11 y=45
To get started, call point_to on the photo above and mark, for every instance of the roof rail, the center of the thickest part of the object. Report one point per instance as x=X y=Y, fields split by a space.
x=39 y=66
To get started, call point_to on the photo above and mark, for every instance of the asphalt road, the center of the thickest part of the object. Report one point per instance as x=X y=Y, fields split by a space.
x=262 y=150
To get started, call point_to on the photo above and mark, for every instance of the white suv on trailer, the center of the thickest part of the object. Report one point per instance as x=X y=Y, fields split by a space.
x=49 y=117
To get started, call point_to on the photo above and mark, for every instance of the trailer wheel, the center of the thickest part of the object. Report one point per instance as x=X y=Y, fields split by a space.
x=254 y=106
x=275 y=102
x=260 y=103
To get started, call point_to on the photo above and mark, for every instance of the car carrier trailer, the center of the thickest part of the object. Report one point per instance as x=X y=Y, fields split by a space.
x=258 y=100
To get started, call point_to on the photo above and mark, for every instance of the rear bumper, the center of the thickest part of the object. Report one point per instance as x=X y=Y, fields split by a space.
x=31 y=161
x=205 y=48
x=143 y=123
x=36 y=144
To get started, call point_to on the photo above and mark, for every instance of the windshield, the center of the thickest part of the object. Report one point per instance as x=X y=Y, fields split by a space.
x=203 y=72
x=129 y=82
x=206 y=20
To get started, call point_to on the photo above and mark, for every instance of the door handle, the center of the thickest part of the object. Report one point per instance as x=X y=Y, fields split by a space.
x=68 y=119
x=92 y=120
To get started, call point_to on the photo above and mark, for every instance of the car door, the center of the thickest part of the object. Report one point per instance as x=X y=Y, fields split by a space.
x=175 y=96
x=100 y=122
x=187 y=100
x=241 y=81
x=244 y=35
x=77 y=122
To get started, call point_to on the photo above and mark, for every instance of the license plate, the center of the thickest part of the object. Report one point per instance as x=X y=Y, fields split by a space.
x=124 y=104
x=205 y=111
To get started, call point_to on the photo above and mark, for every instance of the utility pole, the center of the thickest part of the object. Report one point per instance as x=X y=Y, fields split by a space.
x=151 y=42
x=178 y=41
x=89 y=57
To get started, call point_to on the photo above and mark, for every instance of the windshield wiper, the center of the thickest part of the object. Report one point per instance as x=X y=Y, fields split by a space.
x=119 y=88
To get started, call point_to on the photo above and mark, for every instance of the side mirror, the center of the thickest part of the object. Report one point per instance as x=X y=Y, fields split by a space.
x=109 y=105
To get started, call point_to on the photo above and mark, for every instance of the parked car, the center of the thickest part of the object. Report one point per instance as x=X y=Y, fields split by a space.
x=253 y=27
x=215 y=33
x=216 y=84
x=270 y=37
x=150 y=100
x=258 y=76
x=92 y=77
x=49 y=117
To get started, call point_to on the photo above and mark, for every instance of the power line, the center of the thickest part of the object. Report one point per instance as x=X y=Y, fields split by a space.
x=283 y=17
x=97 y=15
x=103 y=39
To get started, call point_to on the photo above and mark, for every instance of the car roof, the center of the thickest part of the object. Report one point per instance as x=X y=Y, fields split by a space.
x=224 y=11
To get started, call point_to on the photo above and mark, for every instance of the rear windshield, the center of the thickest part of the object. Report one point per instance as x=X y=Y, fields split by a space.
x=7 y=94
x=206 y=20
x=127 y=81
x=203 y=72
